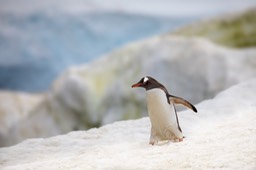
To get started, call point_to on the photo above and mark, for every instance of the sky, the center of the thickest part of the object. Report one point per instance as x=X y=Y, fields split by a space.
x=181 y=8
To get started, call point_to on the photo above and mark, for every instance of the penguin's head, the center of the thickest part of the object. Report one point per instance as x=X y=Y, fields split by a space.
x=147 y=83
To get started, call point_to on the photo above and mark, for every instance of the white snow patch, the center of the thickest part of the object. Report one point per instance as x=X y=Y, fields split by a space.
x=221 y=136
x=145 y=79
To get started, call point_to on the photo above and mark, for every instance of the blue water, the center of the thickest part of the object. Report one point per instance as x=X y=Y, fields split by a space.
x=36 y=48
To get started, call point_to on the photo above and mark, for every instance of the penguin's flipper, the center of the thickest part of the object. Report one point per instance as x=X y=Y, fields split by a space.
x=178 y=100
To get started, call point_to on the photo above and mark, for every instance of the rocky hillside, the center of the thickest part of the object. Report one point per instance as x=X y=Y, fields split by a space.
x=13 y=108
x=232 y=30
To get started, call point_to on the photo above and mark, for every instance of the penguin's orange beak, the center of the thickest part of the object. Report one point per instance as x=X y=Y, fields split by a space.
x=136 y=85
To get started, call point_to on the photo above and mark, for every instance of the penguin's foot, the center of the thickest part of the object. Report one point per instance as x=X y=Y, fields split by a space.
x=178 y=140
x=152 y=142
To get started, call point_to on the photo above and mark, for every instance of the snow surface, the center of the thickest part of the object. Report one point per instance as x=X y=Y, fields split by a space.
x=221 y=136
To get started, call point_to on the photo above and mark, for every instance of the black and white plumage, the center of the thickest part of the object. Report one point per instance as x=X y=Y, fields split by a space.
x=161 y=110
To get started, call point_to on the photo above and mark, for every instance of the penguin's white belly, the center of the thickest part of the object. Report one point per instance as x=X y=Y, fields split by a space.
x=162 y=115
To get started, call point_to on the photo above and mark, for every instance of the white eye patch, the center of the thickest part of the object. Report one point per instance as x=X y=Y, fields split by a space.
x=145 y=79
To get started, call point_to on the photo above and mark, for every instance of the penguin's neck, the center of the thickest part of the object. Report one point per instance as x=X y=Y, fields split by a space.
x=156 y=97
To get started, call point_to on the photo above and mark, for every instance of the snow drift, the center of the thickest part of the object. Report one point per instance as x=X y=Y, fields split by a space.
x=221 y=136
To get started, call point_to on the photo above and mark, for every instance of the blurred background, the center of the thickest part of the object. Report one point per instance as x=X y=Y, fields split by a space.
x=39 y=40
x=68 y=65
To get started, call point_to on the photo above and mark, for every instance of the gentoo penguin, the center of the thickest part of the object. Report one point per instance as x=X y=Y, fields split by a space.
x=162 y=112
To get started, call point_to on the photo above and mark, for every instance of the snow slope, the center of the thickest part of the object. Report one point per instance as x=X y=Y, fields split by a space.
x=221 y=136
